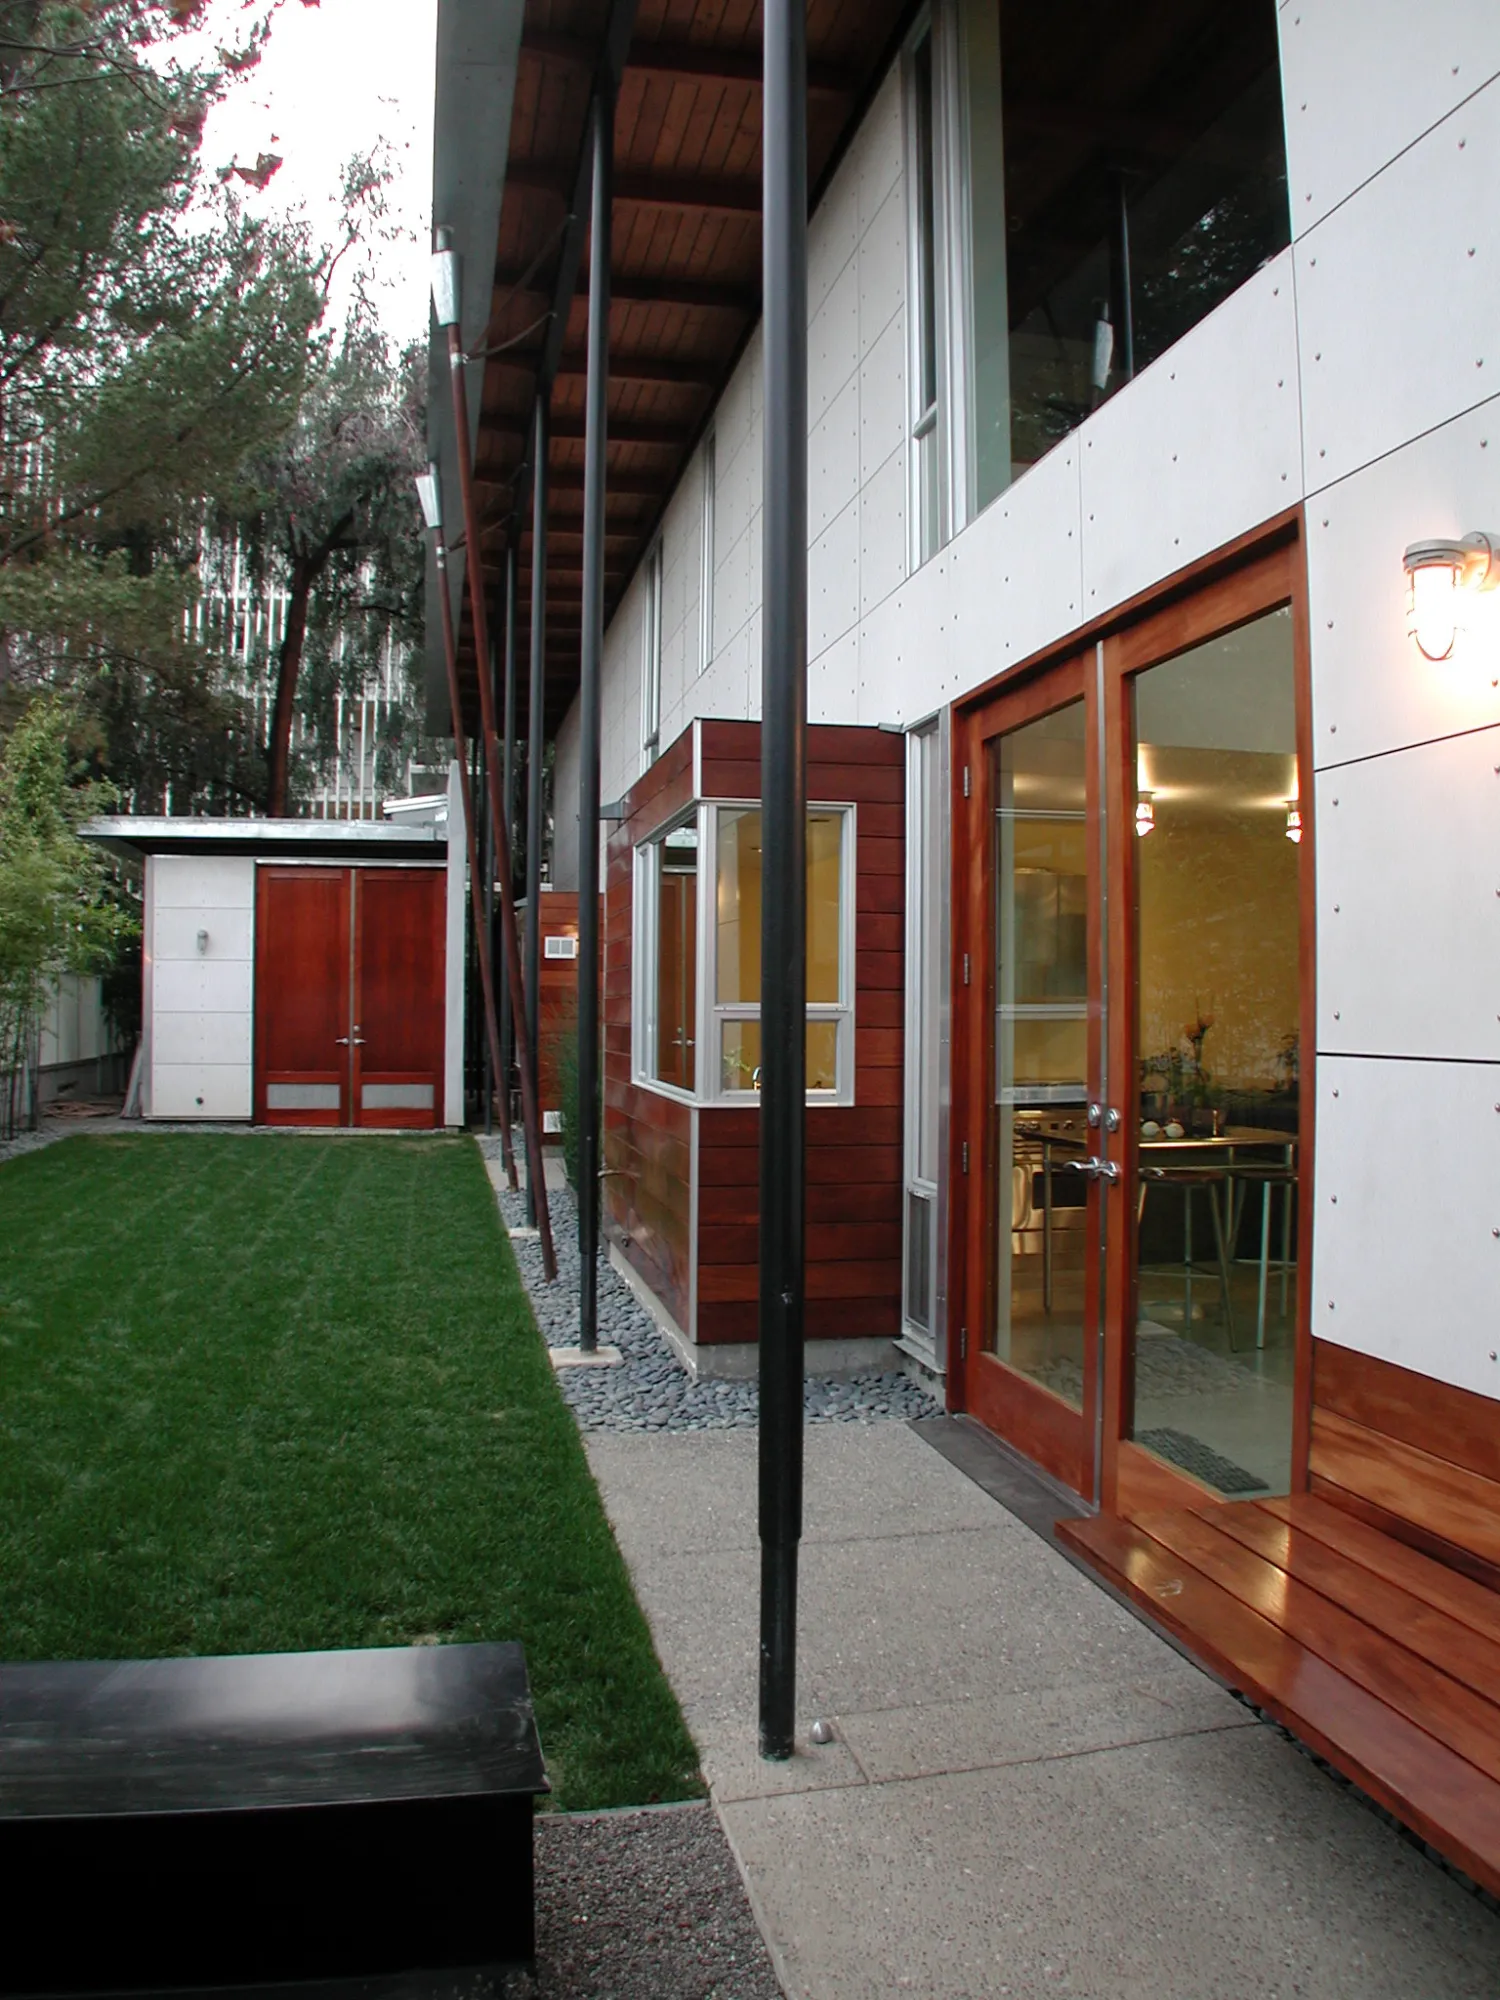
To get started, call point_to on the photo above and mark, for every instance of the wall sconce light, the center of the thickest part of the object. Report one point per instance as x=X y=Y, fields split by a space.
x=1145 y=816
x=444 y=278
x=202 y=943
x=1435 y=572
x=1294 y=824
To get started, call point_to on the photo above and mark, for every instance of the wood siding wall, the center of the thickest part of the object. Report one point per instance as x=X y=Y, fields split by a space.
x=558 y=1000
x=648 y=1137
x=1413 y=1456
x=854 y=1160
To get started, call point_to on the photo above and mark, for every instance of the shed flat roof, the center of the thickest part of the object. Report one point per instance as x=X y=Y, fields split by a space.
x=132 y=836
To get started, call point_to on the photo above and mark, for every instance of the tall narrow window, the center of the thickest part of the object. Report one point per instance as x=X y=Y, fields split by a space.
x=651 y=659
x=926 y=438
x=706 y=586
x=925 y=949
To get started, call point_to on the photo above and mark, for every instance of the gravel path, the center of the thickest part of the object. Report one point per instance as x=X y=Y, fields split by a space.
x=651 y=1390
x=642 y=1906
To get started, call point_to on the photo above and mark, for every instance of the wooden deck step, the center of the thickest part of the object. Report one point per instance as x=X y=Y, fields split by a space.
x=1377 y=1658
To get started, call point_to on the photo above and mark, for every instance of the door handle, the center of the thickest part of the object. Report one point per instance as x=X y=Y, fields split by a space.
x=1093 y=1168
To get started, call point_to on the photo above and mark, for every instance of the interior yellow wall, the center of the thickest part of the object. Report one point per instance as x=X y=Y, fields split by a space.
x=1218 y=900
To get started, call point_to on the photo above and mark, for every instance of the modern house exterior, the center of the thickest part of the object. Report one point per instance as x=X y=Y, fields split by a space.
x=1154 y=771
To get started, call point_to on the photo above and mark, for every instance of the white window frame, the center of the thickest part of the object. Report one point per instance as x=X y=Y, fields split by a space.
x=651 y=657
x=927 y=1022
x=645 y=940
x=706 y=579
x=711 y=1013
x=939 y=428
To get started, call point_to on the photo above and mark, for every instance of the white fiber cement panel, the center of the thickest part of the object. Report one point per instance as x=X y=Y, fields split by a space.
x=1406 y=1258
x=1363 y=79
x=1398 y=298
x=1409 y=902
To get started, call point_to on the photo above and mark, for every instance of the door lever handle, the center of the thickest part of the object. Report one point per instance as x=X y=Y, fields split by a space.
x=342 y=1041
x=1093 y=1168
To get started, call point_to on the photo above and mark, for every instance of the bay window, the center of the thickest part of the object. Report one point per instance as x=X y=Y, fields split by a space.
x=699 y=970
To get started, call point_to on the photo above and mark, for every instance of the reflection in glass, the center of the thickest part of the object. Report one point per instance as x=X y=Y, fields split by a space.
x=1123 y=181
x=677 y=956
x=1217 y=915
x=737 y=922
x=1041 y=1048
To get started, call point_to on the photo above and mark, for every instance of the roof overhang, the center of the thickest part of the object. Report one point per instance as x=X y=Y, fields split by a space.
x=132 y=837
x=478 y=50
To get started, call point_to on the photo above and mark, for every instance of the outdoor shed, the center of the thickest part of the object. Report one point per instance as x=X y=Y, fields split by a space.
x=301 y=971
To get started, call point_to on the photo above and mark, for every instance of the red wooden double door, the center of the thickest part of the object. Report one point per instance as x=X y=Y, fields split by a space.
x=349 y=996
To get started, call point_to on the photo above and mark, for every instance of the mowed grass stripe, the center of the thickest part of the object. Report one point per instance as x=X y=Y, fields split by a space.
x=274 y=1393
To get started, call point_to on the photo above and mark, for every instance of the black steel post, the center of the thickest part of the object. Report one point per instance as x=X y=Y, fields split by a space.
x=596 y=437
x=783 y=1004
x=534 y=750
x=491 y=1062
x=508 y=808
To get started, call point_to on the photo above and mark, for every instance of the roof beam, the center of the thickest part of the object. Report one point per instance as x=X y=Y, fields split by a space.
x=642 y=289
x=687 y=59
x=643 y=368
x=569 y=425
x=716 y=194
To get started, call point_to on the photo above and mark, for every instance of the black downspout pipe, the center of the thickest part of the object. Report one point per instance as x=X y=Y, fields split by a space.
x=783 y=1003
x=596 y=439
x=508 y=807
x=534 y=754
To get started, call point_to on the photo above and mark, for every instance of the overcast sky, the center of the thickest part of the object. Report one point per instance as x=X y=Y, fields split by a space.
x=337 y=77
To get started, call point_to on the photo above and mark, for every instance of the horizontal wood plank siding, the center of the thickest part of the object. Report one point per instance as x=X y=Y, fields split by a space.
x=854 y=1163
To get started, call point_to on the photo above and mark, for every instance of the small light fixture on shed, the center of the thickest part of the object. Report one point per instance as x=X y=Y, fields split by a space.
x=445 y=285
x=1294 y=824
x=430 y=493
x=1145 y=815
x=202 y=944
x=1435 y=572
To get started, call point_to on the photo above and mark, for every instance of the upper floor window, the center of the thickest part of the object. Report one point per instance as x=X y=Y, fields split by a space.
x=924 y=412
x=651 y=658
x=1112 y=186
x=706 y=583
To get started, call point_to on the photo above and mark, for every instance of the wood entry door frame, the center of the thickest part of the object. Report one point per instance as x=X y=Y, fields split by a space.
x=1059 y=1437
x=1268 y=577
x=350 y=1024
x=1090 y=1449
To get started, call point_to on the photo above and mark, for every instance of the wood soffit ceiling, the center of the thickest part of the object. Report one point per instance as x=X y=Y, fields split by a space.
x=685 y=266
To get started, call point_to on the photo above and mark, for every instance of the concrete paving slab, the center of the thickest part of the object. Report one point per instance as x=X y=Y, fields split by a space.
x=1020 y=1728
x=1030 y=1791
x=686 y=1491
x=1211 y=1867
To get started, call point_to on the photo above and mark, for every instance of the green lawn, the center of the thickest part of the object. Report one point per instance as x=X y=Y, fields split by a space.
x=272 y=1393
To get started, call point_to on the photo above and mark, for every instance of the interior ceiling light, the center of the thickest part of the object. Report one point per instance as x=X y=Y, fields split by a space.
x=1294 y=823
x=1435 y=572
x=1145 y=817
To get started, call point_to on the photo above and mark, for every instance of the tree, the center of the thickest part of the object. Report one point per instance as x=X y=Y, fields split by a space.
x=153 y=338
x=332 y=512
x=60 y=911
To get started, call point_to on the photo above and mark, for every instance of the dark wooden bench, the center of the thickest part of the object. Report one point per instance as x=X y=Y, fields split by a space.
x=277 y=1817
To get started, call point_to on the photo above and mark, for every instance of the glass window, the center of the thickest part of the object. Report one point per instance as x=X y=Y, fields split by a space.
x=706 y=582
x=1121 y=183
x=675 y=971
x=925 y=946
x=651 y=658
x=926 y=428
x=737 y=963
x=1218 y=1006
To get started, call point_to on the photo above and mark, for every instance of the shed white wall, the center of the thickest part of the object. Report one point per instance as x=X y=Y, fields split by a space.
x=1360 y=372
x=200 y=1003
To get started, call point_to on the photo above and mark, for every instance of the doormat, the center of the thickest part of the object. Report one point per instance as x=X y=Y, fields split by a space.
x=1194 y=1456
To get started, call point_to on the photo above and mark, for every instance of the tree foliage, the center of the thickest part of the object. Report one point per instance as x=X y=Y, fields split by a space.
x=154 y=337
x=60 y=911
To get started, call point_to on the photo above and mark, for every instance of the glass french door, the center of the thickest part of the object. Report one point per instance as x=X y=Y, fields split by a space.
x=1132 y=976
x=1032 y=980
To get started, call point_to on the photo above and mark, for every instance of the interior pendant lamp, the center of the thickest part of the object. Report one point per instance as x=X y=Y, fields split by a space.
x=1145 y=815
x=1294 y=824
x=1435 y=573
